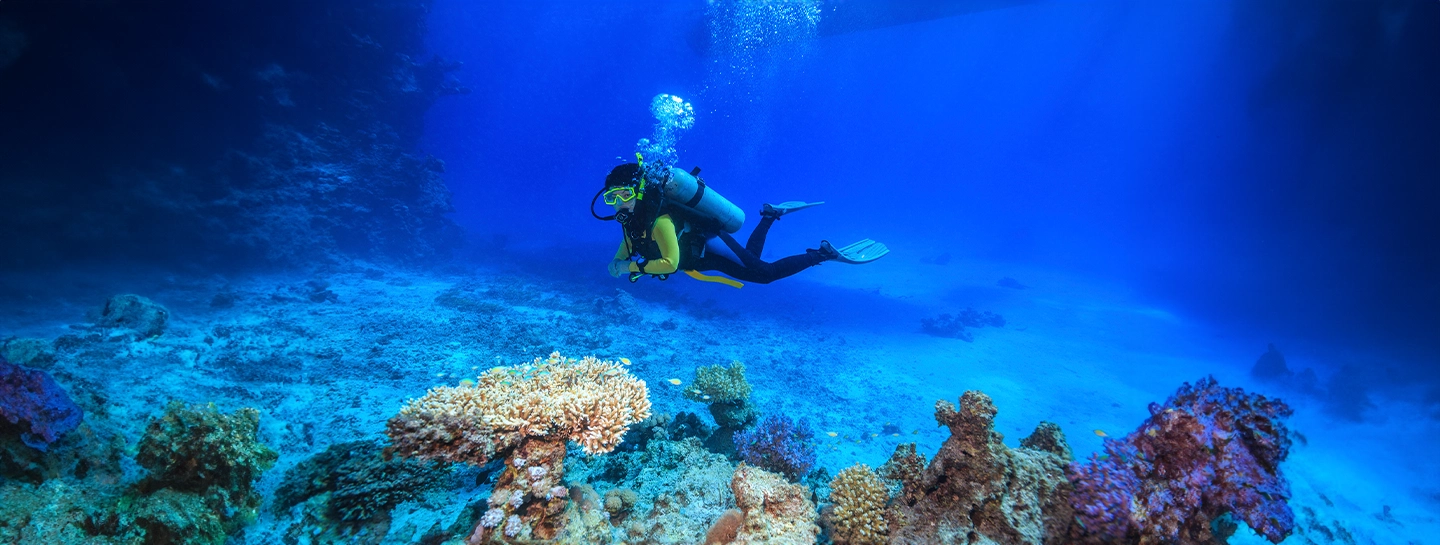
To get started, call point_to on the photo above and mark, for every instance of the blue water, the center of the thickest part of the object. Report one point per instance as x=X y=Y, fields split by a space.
x=1175 y=185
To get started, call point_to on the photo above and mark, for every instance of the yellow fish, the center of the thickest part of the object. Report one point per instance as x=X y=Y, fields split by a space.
x=1101 y=433
x=1150 y=432
x=625 y=361
x=674 y=381
x=467 y=383
x=831 y=433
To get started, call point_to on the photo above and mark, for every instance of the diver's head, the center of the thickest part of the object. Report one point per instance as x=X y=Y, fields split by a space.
x=625 y=189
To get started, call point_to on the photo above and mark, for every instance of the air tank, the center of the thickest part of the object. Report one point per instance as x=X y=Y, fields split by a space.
x=683 y=189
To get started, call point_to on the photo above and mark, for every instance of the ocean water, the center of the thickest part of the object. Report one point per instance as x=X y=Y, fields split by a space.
x=310 y=222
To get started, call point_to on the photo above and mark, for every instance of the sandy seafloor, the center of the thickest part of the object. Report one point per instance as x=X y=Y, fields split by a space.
x=840 y=347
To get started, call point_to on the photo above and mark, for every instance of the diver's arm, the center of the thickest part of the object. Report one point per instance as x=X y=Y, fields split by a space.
x=621 y=262
x=664 y=234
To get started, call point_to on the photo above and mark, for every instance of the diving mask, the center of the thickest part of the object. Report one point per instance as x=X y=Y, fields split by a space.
x=617 y=195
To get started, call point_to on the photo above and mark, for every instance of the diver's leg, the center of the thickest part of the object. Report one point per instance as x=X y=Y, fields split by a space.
x=790 y=265
x=756 y=243
x=747 y=258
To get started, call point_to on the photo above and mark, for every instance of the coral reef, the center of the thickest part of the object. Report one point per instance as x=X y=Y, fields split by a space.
x=34 y=407
x=955 y=326
x=775 y=511
x=1208 y=451
x=858 y=513
x=976 y=488
x=134 y=314
x=727 y=393
x=681 y=489
x=355 y=481
x=780 y=445
x=526 y=413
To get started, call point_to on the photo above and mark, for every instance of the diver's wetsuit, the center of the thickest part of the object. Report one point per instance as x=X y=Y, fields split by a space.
x=750 y=268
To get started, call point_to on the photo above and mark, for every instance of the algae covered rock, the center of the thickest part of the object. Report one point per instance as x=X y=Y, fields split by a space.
x=213 y=457
x=775 y=511
x=977 y=489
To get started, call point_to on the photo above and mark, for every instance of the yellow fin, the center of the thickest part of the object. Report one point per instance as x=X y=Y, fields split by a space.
x=720 y=279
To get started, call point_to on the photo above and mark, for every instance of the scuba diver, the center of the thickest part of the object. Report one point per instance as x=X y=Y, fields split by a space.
x=668 y=216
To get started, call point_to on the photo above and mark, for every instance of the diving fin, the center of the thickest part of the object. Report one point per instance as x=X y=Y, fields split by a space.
x=777 y=210
x=864 y=251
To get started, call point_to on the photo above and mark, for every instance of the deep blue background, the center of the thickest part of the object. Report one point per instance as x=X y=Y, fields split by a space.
x=1265 y=165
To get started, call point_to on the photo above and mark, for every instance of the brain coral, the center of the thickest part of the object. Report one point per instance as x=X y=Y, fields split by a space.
x=588 y=401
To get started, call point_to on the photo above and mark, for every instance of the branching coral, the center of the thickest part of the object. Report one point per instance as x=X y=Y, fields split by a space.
x=590 y=402
x=1206 y=452
x=780 y=445
x=859 y=511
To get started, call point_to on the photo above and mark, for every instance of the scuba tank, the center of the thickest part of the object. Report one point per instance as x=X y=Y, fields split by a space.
x=687 y=191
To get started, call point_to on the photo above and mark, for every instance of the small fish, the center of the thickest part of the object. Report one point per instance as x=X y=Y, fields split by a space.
x=831 y=433
x=441 y=375
x=674 y=381
x=1150 y=432
x=626 y=361
x=1101 y=433
x=874 y=435
x=894 y=435
x=467 y=383
x=704 y=397
x=916 y=432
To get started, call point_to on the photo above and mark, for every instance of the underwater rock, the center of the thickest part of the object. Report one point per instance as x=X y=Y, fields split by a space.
x=36 y=353
x=780 y=445
x=144 y=317
x=976 y=488
x=271 y=141
x=1271 y=366
x=34 y=407
x=954 y=326
x=1207 y=452
x=775 y=511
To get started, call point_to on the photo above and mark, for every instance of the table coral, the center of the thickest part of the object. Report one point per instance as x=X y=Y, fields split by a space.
x=525 y=413
x=32 y=403
x=590 y=402
x=1207 y=452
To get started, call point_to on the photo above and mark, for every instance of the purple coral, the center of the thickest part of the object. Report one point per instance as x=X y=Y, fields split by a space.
x=33 y=402
x=1207 y=452
x=778 y=444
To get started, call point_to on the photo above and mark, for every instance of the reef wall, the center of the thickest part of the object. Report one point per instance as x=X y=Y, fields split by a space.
x=223 y=132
